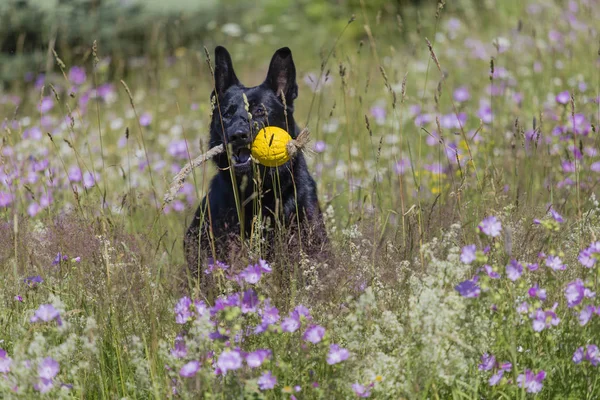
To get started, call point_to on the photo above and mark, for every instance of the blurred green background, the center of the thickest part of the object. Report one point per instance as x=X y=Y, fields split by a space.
x=127 y=29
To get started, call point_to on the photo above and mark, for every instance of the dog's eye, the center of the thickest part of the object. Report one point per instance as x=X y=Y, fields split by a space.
x=259 y=111
x=229 y=112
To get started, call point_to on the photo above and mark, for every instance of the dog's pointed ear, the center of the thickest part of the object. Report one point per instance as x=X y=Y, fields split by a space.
x=224 y=73
x=281 y=77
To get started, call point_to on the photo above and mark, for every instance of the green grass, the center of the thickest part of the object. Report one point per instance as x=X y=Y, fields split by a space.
x=398 y=208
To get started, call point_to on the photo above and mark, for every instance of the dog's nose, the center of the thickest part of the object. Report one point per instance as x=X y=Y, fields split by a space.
x=240 y=135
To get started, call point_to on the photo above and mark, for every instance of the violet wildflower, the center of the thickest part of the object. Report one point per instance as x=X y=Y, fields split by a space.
x=523 y=308
x=588 y=293
x=488 y=362
x=256 y=358
x=302 y=311
x=536 y=291
x=145 y=119
x=514 y=270
x=533 y=267
x=490 y=226
x=544 y=319
x=182 y=310
x=592 y=354
x=586 y=314
x=314 y=334
x=320 y=146
x=467 y=255
x=337 y=354
x=531 y=382
x=18 y=297
x=229 y=360
x=578 y=355
x=265 y=267
x=574 y=293
x=267 y=381
x=5 y=362
x=557 y=217
x=180 y=350
x=490 y=272
x=48 y=368
x=249 y=301
x=563 y=97
x=33 y=281
x=270 y=315
x=251 y=274
x=555 y=263
x=461 y=94
x=496 y=378
x=361 y=390
x=586 y=258
x=468 y=288
x=290 y=324
x=77 y=75
x=201 y=307
x=190 y=369
x=46 y=313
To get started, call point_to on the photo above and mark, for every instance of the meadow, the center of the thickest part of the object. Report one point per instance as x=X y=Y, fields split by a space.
x=457 y=156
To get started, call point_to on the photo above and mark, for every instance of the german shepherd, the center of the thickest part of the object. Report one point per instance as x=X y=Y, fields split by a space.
x=246 y=199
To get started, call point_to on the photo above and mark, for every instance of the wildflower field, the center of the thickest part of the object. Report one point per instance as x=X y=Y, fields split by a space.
x=457 y=156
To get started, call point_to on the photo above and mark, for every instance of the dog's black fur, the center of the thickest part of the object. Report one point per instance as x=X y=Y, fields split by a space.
x=287 y=195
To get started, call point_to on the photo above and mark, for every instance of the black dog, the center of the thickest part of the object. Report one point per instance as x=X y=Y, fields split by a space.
x=284 y=197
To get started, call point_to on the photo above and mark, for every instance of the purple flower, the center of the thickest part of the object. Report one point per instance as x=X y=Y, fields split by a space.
x=46 y=105
x=190 y=369
x=535 y=291
x=182 y=310
x=544 y=319
x=320 y=146
x=337 y=354
x=33 y=281
x=530 y=381
x=467 y=255
x=179 y=351
x=249 y=301
x=488 y=362
x=523 y=308
x=468 y=288
x=555 y=263
x=360 y=390
x=5 y=362
x=48 y=368
x=270 y=315
x=314 y=334
x=290 y=324
x=229 y=360
x=46 y=313
x=44 y=385
x=256 y=358
x=267 y=381
x=77 y=75
x=557 y=217
x=490 y=226
x=490 y=272
x=574 y=292
x=586 y=314
x=592 y=354
x=251 y=274
x=578 y=355
x=496 y=378
x=461 y=94
x=145 y=119
x=514 y=270
x=264 y=266
x=5 y=199
x=88 y=180
x=586 y=258
x=201 y=307
x=212 y=265
x=302 y=311
x=563 y=97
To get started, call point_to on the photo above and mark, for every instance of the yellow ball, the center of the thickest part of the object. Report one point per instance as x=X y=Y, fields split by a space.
x=270 y=146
